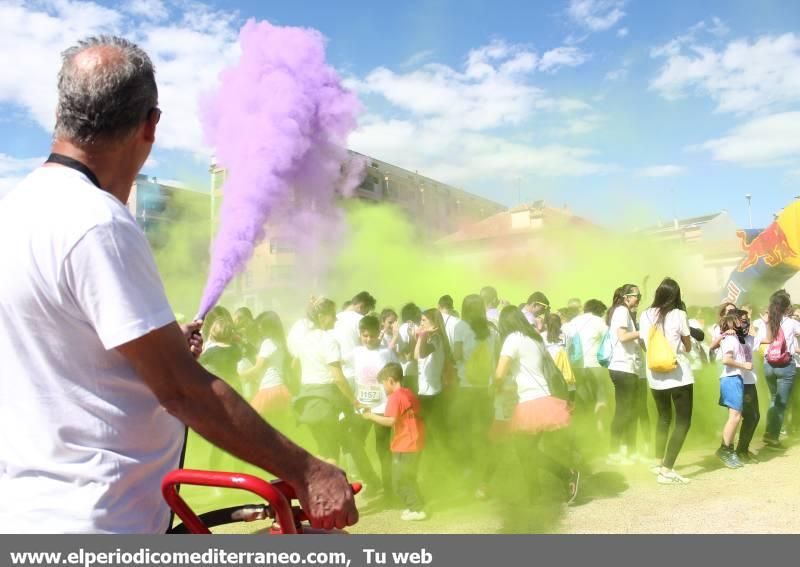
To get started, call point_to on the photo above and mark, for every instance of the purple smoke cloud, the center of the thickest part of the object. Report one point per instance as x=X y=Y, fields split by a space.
x=278 y=123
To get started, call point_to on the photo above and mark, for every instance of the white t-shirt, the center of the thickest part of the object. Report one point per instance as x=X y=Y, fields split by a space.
x=404 y=344
x=625 y=354
x=741 y=353
x=296 y=336
x=431 y=369
x=273 y=354
x=676 y=325
x=368 y=363
x=470 y=342
x=456 y=330
x=84 y=443
x=526 y=367
x=316 y=353
x=591 y=330
x=791 y=329
x=348 y=336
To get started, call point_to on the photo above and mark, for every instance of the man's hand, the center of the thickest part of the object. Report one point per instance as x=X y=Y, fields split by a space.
x=326 y=497
x=191 y=333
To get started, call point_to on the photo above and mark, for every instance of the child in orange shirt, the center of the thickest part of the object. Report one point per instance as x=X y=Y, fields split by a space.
x=403 y=415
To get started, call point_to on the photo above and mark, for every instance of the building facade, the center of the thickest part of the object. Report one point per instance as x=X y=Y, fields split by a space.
x=432 y=207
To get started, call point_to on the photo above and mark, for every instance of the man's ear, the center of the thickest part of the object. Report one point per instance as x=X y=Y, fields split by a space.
x=149 y=128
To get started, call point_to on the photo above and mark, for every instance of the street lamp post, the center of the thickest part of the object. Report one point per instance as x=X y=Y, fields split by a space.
x=749 y=198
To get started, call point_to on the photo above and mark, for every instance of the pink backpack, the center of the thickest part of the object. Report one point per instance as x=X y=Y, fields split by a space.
x=778 y=354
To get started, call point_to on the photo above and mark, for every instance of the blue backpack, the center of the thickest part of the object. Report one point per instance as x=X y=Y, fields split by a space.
x=575 y=351
x=605 y=351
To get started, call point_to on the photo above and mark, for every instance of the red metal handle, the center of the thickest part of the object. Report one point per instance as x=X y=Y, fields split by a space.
x=276 y=495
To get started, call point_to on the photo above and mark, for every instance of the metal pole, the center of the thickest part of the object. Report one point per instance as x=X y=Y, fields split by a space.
x=749 y=209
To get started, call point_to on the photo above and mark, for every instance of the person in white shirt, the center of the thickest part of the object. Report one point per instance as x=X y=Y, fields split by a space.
x=492 y=302
x=326 y=400
x=97 y=383
x=779 y=378
x=368 y=360
x=623 y=372
x=389 y=334
x=725 y=309
x=737 y=358
x=433 y=354
x=750 y=412
x=456 y=330
x=536 y=309
x=537 y=414
x=346 y=331
x=270 y=371
x=673 y=389
x=410 y=315
x=592 y=380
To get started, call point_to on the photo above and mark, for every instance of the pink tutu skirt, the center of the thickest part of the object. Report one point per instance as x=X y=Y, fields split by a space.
x=542 y=414
x=270 y=400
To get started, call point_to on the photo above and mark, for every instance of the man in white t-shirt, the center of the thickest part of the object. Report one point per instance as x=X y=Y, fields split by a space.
x=456 y=330
x=346 y=331
x=97 y=382
x=592 y=379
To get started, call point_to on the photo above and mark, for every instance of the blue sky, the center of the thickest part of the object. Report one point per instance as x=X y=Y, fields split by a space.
x=627 y=111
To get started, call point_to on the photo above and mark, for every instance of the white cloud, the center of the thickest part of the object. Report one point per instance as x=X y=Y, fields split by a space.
x=596 y=15
x=13 y=170
x=464 y=125
x=188 y=54
x=718 y=27
x=742 y=77
x=562 y=57
x=764 y=141
x=661 y=171
x=154 y=10
x=622 y=32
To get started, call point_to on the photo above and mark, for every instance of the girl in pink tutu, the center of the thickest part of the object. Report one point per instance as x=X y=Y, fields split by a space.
x=270 y=370
x=538 y=415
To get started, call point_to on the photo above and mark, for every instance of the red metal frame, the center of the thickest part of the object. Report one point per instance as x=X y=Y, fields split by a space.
x=277 y=495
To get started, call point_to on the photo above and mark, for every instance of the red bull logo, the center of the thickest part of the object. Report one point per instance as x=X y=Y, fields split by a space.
x=771 y=245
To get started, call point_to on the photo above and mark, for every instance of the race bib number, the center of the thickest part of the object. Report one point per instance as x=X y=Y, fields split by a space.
x=369 y=395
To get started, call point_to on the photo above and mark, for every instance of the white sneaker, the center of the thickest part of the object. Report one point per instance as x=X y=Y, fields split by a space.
x=409 y=516
x=656 y=469
x=671 y=477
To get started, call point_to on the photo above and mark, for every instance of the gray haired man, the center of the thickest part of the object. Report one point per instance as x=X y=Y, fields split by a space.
x=97 y=382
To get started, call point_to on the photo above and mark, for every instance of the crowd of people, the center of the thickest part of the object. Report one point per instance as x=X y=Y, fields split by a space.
x=458 y=386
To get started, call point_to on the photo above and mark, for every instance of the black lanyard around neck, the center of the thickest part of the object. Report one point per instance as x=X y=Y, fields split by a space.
x=71 y=163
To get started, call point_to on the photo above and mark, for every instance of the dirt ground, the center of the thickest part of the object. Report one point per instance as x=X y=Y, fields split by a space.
x=760 y=498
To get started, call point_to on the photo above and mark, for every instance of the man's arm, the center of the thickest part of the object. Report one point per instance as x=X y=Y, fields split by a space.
x=213 y=409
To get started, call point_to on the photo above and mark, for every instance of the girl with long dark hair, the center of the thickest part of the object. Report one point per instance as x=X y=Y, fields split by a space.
x=271 y=367
x=537 y=415
x=780 y=378
x=472 y=410
x=623 y=372
x=673 y=389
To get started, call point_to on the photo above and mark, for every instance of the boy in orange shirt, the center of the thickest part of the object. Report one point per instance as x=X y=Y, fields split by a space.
x=403 y=415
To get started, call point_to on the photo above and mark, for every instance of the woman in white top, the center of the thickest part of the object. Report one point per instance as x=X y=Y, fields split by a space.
x=673 y=389
x=271 y=367
x=725 y=309
x=324 y=391
x=623 y=372
x=780 y=378
x=537 y=414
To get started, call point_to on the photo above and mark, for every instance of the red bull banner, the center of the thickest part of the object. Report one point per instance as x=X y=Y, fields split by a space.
x=772 y=257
